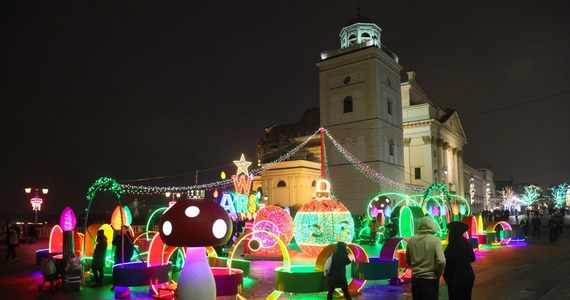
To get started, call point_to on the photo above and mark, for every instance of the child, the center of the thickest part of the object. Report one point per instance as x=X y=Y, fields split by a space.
x=74 y=264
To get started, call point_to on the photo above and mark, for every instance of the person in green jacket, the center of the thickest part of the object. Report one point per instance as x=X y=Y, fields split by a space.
x=425 y=257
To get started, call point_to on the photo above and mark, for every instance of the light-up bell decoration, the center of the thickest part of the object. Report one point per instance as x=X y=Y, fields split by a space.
x=322 y=221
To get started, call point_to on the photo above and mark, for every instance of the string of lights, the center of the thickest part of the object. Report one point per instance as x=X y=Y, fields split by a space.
x=369 y=172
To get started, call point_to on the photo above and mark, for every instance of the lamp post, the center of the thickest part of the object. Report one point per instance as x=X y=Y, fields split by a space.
x=36 y=201
x=172 y=200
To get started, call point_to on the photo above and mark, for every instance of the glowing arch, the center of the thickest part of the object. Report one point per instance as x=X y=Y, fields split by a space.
x=396 y=248
x=505 y=227
x=409 y=218
x=355 y=285
x=56 y=239
x=147 y=226
x=104 y=184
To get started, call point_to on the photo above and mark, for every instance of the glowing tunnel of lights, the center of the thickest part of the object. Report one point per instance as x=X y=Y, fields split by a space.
x=408 y=219
x=393 y=197
x=505 y=227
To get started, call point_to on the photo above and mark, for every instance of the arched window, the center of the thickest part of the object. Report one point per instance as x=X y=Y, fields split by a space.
x=281 y=183
x=347 y=104
x=389 y=106
x=314 y=183
x=351 y=39
x=364 y=37
x=392 y=147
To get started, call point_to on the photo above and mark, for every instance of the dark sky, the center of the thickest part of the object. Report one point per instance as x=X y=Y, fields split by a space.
x=139 y=89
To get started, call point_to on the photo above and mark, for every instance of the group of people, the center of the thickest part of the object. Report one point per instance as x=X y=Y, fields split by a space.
x=428 y=262
x=124 y=249
x=12 y=241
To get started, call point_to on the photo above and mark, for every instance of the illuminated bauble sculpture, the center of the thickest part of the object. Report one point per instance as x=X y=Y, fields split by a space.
x=277 y=221
x=322 y=221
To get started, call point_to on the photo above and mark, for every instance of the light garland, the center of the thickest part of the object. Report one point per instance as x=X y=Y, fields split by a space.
x=369 y=172
x=224 y=184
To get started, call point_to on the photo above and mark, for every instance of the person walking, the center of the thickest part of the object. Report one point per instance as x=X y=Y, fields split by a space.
x=373 y=231
x=560 y=219
x=336 y=277
x=553 y=229
x=458 y=273
x=98 y=262
x=13 y=243
x=536 y=222
x=425 y=257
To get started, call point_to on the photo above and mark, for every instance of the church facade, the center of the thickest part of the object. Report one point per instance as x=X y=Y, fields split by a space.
x=388 y=124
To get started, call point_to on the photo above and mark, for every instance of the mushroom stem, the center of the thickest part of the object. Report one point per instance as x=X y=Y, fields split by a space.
x=196 y=280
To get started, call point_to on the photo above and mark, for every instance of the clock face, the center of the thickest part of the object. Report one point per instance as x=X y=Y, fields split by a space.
x=347 y=80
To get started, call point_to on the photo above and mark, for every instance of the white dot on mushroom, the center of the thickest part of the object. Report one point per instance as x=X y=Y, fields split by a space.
x=167 y=228
x=192 y=211
x=219 y=228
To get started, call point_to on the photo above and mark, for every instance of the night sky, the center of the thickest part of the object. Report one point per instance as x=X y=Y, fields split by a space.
x=146 y=89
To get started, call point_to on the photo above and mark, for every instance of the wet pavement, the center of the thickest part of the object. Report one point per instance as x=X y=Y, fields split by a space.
x=535 y=269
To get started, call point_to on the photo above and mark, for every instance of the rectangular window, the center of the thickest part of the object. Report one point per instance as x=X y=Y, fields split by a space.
x=418 y=173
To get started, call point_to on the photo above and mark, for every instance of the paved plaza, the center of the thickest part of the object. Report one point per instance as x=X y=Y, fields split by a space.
x=535 y=269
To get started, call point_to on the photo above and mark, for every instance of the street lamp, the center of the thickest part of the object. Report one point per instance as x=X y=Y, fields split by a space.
x=172 y=201
x=36 y=201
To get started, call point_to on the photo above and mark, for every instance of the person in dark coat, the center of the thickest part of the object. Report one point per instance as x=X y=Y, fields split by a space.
x=123 y=239
x=458 y=273
x=98 y=262
x=124 y=245
x=337 y=275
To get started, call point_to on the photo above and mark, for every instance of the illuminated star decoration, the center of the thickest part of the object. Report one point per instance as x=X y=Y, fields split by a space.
x=242 y=165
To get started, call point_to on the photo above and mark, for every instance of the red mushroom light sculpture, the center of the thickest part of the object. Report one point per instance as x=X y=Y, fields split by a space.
x=195 y=224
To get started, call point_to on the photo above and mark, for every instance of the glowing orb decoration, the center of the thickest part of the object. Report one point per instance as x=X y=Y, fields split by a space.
x=67 y=219
x=277 y=221
x=129 y=215
x=320 y=223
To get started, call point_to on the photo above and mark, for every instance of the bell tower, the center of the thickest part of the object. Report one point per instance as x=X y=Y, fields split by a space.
x=361 y=106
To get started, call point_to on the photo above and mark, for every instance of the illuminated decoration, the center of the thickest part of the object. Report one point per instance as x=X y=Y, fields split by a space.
x=67 y=219
x=471 y=221
x=355 y=285
x=383 y=203
x=211 y=226
x=133 y=189
x=223 y=175
x=531 y=194
x=369 y=172
x=158 y=212
x=321 y=222
x=36 y=203
x=472 y=190
x=504 y=232
x=56 y=239
x=409 y=219
x=101 y=184
x=392 y=249
x=277 y=221
x=128 y=214
x=118 y=218
x=559 y=194
x=242 y=165
x=215 y=194
x=462 y=209
x=239 y=203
